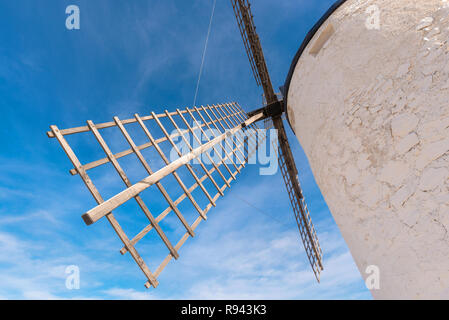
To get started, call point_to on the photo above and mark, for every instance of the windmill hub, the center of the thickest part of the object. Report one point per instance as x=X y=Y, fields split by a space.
x=274 y=109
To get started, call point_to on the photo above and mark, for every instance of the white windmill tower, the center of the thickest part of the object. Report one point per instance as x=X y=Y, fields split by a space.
x=367 y=97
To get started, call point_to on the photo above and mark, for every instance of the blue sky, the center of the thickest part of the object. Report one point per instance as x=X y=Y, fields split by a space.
x=142 y=56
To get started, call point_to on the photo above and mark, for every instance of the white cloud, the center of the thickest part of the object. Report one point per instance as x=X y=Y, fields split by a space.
x=129 y=294
x=39 y=295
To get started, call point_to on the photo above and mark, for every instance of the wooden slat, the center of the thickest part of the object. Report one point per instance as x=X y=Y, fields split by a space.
x=290 y=175
x=227 y=115
x=104 y=125
x=240 y=111
x=206 y=153
x=215 y=164
x=233 y=120
x=109 y=215
x=252 y=128
x=226 y=142
x=228 y=122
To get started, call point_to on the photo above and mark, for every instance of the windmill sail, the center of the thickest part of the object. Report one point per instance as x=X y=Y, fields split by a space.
x=242 y=11
x=302 y=215
x=227 y=120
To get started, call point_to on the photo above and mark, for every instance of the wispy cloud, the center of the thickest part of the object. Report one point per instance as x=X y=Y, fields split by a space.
x=129 y=294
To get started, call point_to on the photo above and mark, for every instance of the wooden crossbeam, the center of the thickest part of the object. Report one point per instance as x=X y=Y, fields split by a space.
x=251 y=128
x=227 y=122
x=105 y=125
x=302 y=215
x=234 y=119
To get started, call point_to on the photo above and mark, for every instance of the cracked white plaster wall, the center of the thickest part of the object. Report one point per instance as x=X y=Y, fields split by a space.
x=371 y=110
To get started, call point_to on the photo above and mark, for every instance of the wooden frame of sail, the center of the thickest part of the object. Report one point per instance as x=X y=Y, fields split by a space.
x=228 y=120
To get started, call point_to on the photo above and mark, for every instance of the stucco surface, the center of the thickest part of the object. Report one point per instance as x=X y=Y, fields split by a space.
x=371 y=110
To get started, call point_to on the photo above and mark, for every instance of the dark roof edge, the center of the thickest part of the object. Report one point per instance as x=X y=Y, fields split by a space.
x=303 y=46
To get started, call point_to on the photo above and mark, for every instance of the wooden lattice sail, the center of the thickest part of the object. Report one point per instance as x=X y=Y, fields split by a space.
x=274 y=109
x=234 y=137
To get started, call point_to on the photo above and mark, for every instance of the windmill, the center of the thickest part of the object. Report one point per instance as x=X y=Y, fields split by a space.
x=230 y=132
